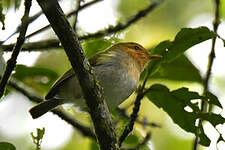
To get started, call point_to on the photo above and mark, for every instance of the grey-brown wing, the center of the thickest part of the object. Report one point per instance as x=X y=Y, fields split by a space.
x=94 y=61
x=67 y=75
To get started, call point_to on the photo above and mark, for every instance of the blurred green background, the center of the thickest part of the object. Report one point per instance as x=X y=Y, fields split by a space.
x=161 y=24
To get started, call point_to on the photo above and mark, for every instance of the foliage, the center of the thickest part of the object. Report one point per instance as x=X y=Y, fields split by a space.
x=184 y=40
x=174 y=103
x=11 y=3
x=7 y=146
x=180 y=104
x=39 y=78
x=178 y=99
x=37 y=140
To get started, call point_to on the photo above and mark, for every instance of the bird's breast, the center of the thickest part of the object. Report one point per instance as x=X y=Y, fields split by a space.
x=117 y=81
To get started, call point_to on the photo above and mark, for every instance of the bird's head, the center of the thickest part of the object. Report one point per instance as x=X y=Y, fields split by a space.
x=138 y=52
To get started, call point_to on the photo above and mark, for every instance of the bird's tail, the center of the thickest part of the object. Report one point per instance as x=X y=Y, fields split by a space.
x=44 y=107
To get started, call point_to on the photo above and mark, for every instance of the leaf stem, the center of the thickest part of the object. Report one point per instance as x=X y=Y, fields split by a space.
x=204 y=104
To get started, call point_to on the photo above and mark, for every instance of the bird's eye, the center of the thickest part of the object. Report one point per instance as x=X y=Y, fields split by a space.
x=136 y=48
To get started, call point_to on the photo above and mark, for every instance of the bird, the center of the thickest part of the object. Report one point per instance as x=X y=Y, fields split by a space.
x=117 y=69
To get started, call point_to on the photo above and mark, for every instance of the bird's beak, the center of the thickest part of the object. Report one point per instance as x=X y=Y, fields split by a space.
x=154 y=56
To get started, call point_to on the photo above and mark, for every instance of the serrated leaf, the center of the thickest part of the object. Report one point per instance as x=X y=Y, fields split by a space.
x=174 y=102
x=184 y=40
x=7 y=146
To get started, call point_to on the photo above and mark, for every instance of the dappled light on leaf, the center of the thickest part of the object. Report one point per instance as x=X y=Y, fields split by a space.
x=174 y=103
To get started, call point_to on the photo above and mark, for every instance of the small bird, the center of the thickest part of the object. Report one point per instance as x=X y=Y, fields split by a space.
x=117 y=69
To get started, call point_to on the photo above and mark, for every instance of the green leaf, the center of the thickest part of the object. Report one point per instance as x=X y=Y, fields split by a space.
x=213 y=99
x=37 y=140
x=11 y=3
x=38 y=78
x=184 y=40
x=132 y=140
x=7 y=146
x=174 y=103
x=180 y=69
x=93 y=46
x=214 y=119
x=187 y=38
x=94 y=145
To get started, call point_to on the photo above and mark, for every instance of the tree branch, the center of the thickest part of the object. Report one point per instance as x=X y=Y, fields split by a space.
x=76 y=14
x=68 y=15
x=53 y=44
x=34 y=46
x=20 y=87
x=92 y=93
x=18 y=29
x=141 y=92
x=11 y=63
x=133 y=117
x=204 y=104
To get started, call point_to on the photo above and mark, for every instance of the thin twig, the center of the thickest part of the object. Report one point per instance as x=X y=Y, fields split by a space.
x=140 y=94
x=68 y=15
x=204 y=104
x=26 y=91
x=133 y=117
x=53 y=44
x=34 y=46
x=18 y=29
x=122 y=112
x=11 y=63
x=98 y=109
x=86 y=131
x=76 y=14
x=122 y=26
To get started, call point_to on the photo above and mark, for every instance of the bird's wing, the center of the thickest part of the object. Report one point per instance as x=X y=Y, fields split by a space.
x=67 y=75
x=96 y=60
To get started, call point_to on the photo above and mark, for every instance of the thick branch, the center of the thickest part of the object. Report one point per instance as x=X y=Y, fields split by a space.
x=11 y=63
x=92 y=93
x=204 y=104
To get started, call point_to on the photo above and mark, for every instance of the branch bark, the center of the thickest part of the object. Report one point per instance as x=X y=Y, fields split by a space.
x=53 y=44
x=20 y=87
x=11 y=63
x=92 y=92
x=204 y=104
x=68 y=15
